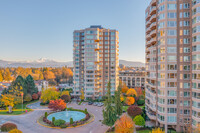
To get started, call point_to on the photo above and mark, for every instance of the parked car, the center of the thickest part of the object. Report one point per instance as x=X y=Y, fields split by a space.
x=90 y=103
x=95 y=104
x=100 y=104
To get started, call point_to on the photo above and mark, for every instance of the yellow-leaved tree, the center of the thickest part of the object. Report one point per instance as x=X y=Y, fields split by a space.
x=157 y=130
x=131 y=92
x=49 y=94
x=8 y=100
x=124 y=88
x=82 y=97
x=124 y=124
x=64 y=93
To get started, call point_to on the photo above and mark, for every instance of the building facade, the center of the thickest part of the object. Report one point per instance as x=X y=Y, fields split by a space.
x=171 y=80
x=133 y=78
x=95 y=60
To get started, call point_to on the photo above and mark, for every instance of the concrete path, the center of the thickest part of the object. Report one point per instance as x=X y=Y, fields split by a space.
x=28 y=122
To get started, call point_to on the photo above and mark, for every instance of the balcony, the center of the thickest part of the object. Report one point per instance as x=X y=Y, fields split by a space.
x=153 y=10
x=153 y=18
x=151 y=115
x=153 y=26
x=96 y=40
x=153 y=33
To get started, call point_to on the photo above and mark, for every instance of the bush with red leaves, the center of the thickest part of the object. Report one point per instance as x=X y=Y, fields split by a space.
x=8 y=126
x=57 y=105
x=35 y=96
x=66 y=98
x=134 y=111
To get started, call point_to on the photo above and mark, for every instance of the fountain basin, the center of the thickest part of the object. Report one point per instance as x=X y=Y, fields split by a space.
x=66 y=115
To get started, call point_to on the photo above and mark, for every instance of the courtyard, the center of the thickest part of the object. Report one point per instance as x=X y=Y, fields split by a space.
x=27 y=123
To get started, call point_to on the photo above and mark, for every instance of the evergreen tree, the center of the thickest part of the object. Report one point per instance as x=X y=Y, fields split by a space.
x=118 y=104
x=30 y=85
x=109 y=113
x=18 y=86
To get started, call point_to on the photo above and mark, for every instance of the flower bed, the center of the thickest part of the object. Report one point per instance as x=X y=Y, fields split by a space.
x=74 y=124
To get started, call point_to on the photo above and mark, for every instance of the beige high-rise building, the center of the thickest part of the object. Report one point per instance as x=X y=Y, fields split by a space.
x=95 y=59
x=172 y=63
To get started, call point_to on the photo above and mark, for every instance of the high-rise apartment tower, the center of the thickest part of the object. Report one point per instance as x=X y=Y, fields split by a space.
x=95 y=60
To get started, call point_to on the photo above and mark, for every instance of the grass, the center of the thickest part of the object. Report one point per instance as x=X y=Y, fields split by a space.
x=17 y=110
x=144 y=131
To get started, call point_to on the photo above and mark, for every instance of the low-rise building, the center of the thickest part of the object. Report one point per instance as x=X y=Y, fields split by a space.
x=133 y=78
x=41 y=84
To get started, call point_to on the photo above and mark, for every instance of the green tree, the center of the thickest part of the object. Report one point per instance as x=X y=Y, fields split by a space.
x=49 y=94
x=18 y=87
x=30 y=85
x=109 y=113
x=118 y=104
x=139 y=120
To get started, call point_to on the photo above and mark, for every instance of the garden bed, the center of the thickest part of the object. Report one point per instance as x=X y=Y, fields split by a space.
x=47 y=123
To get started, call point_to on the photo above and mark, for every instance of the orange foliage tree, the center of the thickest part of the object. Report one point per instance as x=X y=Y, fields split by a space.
x=139 y=91
x=124 y=88
x=130 y=100
x=131 y=92
x=124 y=124
x=57 y=105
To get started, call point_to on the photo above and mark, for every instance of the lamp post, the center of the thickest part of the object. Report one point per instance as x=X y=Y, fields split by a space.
x=22 y=94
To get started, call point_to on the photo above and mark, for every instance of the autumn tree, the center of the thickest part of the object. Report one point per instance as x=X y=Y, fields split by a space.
x=48 y=75
x=157 y=130
x=66 y=98
x=134 y=111
x=64 y=93
x=8 y=100
x=1 y=76
x=139 y=91
x=82 y=97
x=124 y=125
x=197 y=129
x=7 y=75
x=49 y=94
x=130 y=100
x=57 y=105
x=118 y=104
x=109 y=112
x=124 y=88
x=131 y=92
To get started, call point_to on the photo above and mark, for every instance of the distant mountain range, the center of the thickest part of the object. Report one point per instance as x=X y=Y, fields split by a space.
x=43 y=62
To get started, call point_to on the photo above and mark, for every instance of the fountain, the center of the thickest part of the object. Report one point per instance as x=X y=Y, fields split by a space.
x=66 y=115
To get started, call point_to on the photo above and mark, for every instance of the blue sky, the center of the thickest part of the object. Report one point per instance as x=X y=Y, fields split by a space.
x=31 y=29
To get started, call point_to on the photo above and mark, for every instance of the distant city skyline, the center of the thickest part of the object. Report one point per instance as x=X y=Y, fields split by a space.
x=31 y=30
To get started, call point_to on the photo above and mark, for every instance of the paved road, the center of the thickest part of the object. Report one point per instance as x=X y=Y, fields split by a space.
x=28 y=122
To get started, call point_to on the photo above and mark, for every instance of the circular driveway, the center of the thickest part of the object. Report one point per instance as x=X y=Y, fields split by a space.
x=28 y=122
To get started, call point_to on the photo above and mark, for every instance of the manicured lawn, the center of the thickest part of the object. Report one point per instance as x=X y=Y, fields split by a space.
x=17 y=110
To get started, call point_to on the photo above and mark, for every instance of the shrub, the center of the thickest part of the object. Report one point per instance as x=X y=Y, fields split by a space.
x=140 y=102
x=131 y=92
x=35 y=96
x=66 y=98
x=139 y=120
x=15 y=131
x=157 y=130
x=86 y=112
x=53 y=119
x=8 y=126
x=71 y=121
x=59 y=122
x=124 y=125
x=63 y=126
x=134 y=111
x=57 y=105
x=45 y=114
x=28 y=98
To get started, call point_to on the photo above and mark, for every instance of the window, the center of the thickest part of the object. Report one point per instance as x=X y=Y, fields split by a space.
x=171 y=6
